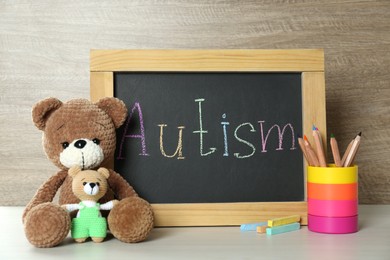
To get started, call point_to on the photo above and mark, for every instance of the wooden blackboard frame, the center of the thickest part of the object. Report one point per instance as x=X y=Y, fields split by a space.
x=310 y=63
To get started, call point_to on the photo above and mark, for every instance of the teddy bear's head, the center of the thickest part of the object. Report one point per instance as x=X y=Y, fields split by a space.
x=79 y=132
x=89 y=184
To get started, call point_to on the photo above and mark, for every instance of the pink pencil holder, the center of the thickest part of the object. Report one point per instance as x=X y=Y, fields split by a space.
x=332 y=199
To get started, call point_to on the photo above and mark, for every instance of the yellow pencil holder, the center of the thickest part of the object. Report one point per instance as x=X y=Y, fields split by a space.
x=332 y=198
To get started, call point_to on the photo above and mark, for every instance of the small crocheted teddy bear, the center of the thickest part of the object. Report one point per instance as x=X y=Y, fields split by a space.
x=89 y=186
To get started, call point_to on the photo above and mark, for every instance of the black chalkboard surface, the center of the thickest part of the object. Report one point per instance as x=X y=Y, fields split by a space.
x=211 y=137
x=211 y=134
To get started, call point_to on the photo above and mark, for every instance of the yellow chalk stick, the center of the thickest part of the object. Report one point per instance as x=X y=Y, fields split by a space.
x=261 y=229
x=284 y=221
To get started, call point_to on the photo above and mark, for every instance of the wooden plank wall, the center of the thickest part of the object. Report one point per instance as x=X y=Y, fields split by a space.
x=44 y=51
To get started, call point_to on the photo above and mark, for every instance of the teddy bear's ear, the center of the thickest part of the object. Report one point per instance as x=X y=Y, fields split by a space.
x=73 y=171
x=42 y=110
x=103 y=171
x=115 y=108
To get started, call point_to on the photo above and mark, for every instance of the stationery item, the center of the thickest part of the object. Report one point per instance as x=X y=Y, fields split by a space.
x=318 y=158
x=346 y=152
x=332 y=208
x=319 y=134
x=335 y=151
x=283 y=229
x=332 y=225
x=284 y=220
x=262 y=229
x=252 y=226
x=332 y=175
x=345 y=191
x=332 y=199
x=352 y=153
x=310 y=152
x=319 y=147
x=302 y=145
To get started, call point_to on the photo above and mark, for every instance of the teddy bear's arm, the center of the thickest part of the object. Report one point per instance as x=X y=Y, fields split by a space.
x=108 y=205
x=120 y=186
x=47 y=191
x=71 y=207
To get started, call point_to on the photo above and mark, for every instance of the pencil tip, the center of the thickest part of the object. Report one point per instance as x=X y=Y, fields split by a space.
x=360 y=134
x=314 y=127
x=299 y=136
x=331 y=135
x=305 y=137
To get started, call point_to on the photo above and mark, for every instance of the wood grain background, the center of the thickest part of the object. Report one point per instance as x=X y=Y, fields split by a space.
x=44 y=51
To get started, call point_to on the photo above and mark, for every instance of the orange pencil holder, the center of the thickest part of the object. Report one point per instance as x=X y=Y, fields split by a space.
x=332 y=199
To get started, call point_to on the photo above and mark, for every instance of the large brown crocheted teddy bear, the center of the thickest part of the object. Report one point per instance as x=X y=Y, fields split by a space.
x=82 y=133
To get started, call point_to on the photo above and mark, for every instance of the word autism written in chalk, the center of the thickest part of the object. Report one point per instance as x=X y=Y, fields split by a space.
x=200 y=133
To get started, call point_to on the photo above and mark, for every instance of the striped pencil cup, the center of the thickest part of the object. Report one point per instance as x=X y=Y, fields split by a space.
x=332 y=199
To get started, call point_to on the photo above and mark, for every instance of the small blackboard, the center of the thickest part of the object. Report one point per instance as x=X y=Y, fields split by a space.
x=211 y=137
x=213 y=134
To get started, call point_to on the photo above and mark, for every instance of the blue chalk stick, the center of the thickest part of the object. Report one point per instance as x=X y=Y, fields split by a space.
x=283 y=229
x=252 y=226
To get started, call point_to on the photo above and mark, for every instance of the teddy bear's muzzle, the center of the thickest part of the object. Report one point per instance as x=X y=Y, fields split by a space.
x=91 y=188
x=84 y=153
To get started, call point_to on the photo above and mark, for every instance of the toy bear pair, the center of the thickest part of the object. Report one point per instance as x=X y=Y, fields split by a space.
x=82 y=134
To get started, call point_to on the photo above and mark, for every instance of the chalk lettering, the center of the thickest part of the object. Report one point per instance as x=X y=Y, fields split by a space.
x=201 y=131
x=280 y=133
x=252 y=129
x=140 y=136
x=179 y=148
x=225 y=141
x=136 y=119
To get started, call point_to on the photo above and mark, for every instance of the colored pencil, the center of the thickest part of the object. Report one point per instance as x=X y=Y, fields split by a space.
x=347 y=152
x=302 y=145
x=352 y=153
x=319 y=147
x=335 y=151
x=310 y=152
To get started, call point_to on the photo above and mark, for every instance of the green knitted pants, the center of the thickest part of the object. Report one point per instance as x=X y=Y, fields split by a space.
x=89 y=223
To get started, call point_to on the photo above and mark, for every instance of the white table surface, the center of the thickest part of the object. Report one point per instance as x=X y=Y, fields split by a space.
x=371 y=242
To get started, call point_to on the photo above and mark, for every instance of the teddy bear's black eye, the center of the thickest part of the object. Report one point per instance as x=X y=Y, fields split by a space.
x=96 y=141
x=65 y=145
x=98 y=184
x=84 y=183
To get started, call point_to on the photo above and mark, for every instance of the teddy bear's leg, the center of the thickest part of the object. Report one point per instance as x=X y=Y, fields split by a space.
x=131 y=220
x=97 y=239
x=80 y=240
x=98 y=229
x=46 y=225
